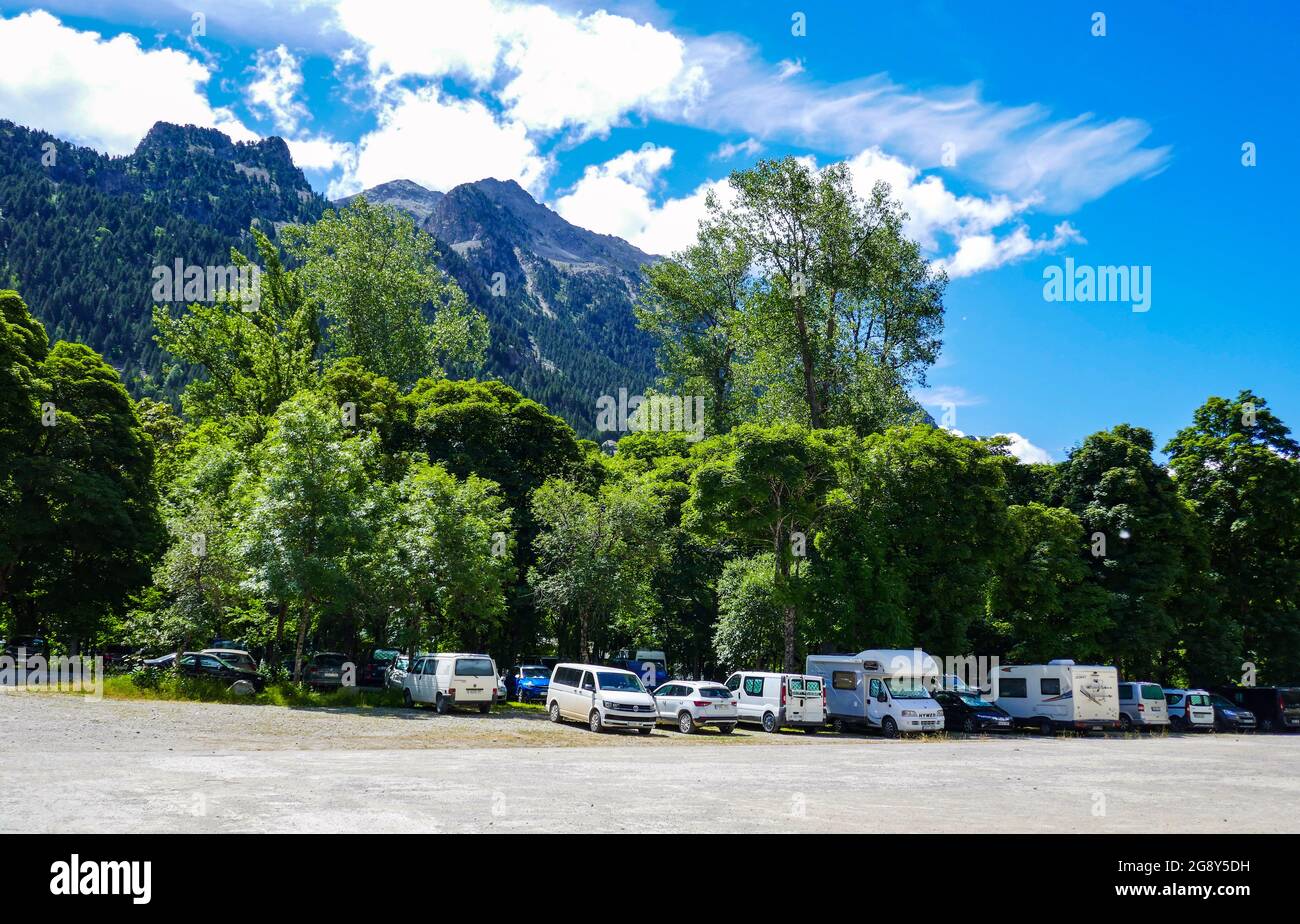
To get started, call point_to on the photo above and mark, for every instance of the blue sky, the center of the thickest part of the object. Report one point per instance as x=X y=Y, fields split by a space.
x=1015 y=136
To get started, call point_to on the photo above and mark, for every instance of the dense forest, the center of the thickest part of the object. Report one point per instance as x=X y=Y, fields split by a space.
x=335 y=480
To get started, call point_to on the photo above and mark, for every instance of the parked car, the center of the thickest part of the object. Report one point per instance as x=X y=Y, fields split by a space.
x=374 y=671
x=1189 y=710
x=529 y=682
x=451 y=679
x=1142 y=705
x=1228 y=716
x=1275 y=708
x=602 y=696
x=199 y=664
x=774 y=701
x=690 y=704
x=162 y=662
x=502 y=696
x=396 y=672
x=32 y=647
x=884 y=689
x=647 y=663
x=324 y=670
x=1059 y=695
x=234 y=657
x=969 y=713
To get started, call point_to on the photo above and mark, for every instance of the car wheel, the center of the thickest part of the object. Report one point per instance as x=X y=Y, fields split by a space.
x=645 y=731
x=726 y=729
x=1125 y=723
x=685 y=724
x=441 y=704
x=1045 y=727
x=594 y=722
x=1177 y=724
x=888 y=727
x=555 y=713
x=769 y=723
x=812 y=729
x=485 y=708
x=406 y=699
x=1266 y=725
x=837 y=726
x=969 y=726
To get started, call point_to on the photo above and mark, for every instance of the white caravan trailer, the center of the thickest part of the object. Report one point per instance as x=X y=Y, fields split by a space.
x=885 y=689
x=1059 y=694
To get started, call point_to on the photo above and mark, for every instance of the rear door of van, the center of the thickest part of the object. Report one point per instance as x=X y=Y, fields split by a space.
x=474 y=679
x=814 y=707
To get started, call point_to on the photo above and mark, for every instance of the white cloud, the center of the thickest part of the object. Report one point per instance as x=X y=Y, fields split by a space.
x=1026 y=451
x=947 y=395
x=750 y=147
x=322 y=153
x=439 y=143
x=979 y=252
x=275 y=90
x=103 y=92
x=550 y=70
x=789 y=68
x=616 y=198
x=1020 y=150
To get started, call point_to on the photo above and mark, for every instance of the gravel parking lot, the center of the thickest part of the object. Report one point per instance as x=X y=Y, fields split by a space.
x=72 y=765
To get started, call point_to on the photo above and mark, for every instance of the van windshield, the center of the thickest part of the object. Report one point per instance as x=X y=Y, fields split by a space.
x=612 y=680
x=474 y=667
x=1291 y=696
x=535 y=672
x=907 y=688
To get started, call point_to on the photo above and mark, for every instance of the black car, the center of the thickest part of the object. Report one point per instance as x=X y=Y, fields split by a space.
x=1228 y=716
x=1275 y=708
x=376 y=667
x=968 y=713
x=33 y=646
x=197 y=664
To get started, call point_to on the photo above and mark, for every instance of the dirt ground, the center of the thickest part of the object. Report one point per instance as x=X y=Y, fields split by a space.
x=73 y=765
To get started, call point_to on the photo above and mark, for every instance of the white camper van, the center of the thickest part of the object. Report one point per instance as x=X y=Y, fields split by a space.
x=885 y=689
x=1059 y=695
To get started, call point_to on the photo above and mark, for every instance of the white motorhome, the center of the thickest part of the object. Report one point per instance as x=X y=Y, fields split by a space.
x=1059 y=695
x=884 y=689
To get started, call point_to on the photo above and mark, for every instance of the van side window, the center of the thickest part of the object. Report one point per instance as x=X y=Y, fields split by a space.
x=796 y=685
x=1050 y=686
x=1126 y=691
x=588 y=683
x=847 y=680
x=876 y=687
x=754 y=686
x=1012 y=687
x=430 y=666
x=733 y=683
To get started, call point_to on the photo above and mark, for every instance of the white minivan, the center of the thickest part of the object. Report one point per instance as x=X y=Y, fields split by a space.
x=451 y=679
x=776 y=701
x=603 y=697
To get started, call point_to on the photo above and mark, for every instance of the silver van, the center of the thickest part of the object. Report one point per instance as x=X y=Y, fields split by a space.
x=1142 y=705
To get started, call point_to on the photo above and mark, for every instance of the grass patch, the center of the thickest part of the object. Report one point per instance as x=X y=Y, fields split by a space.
x=166 y=685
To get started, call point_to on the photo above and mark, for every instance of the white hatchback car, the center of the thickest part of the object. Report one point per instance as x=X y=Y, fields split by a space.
x=688 y=704
x=603 y=697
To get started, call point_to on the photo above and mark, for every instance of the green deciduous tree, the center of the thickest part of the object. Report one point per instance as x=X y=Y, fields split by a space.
x=373 y=275
x=1237 y=467
x=766 y=488
x=595 y=555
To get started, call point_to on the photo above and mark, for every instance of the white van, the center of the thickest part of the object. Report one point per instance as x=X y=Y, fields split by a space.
x=886 y=689
x=451 y=679
x=776 y=701
x=603 y=697
x=1142 y=705
x=1059 y=694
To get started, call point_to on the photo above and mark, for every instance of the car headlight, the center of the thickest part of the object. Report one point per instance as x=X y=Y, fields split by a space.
x=909 y=713
x=608 y=705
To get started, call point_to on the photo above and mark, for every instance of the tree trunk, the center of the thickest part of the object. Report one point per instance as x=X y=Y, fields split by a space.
x=278 y=645
x=303 y=619
x=583 y=648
